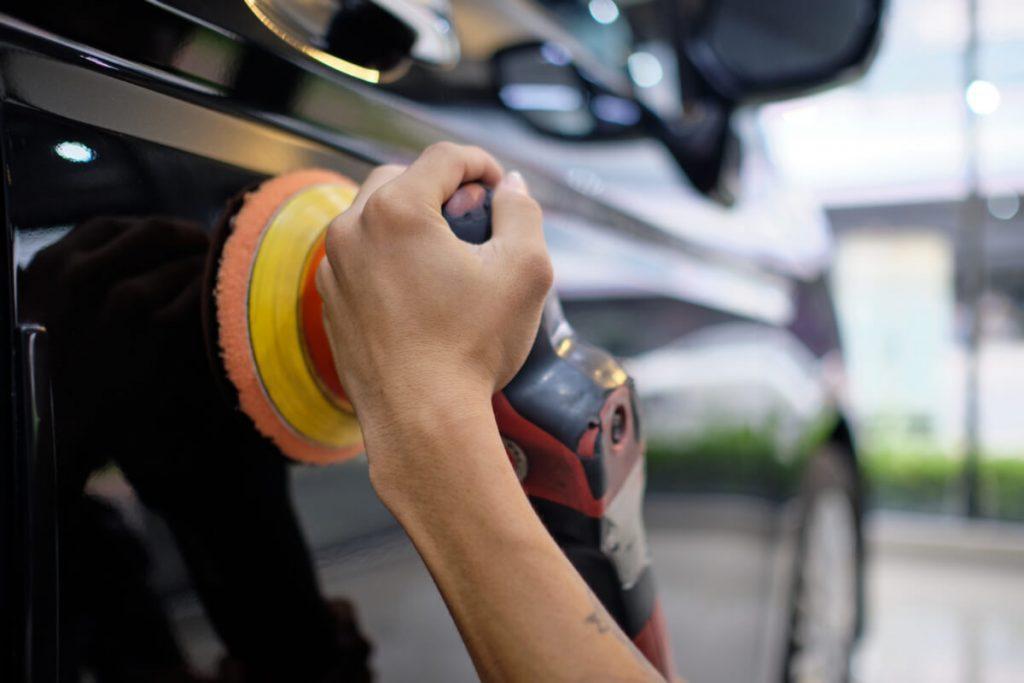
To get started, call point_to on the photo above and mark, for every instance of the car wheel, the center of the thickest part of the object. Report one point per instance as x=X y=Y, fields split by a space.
x=825 y=607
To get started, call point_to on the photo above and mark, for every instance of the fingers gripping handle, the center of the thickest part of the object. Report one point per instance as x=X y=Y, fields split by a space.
x=468 y=212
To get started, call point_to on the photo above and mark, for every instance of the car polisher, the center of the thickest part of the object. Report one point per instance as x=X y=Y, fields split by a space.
x=568 y=418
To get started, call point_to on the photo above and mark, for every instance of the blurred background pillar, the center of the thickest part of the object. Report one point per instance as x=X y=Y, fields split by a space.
x=973 y=274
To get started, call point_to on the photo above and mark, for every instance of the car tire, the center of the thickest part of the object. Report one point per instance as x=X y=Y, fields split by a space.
x=825 y=608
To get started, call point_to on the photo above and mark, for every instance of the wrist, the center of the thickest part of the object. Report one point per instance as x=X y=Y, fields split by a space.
x=448 y=489
x=418 y=446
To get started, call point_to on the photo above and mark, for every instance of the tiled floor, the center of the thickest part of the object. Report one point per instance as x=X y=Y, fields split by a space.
x=946 y=605
x=945 y=600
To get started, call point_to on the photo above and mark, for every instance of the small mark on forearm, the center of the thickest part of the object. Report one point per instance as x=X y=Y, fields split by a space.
x=598 y=621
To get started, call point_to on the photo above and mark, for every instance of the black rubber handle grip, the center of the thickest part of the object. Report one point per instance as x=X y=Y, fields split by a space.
x=468 y=213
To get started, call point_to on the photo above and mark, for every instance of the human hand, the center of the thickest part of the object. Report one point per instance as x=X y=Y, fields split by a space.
x=424 y=328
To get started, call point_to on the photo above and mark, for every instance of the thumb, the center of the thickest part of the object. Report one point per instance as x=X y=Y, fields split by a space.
x=517 y=235
x=516 y=219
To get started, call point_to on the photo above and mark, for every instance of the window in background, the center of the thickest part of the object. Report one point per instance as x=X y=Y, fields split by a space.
x=891 y=155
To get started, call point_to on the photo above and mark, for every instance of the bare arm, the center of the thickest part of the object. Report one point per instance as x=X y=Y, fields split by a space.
x=426 y=328
x=523 y=611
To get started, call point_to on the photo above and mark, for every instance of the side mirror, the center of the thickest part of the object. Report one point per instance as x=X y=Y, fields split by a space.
x=755 y=50
x=730 y=52
x=541 y=83
x=364 y=38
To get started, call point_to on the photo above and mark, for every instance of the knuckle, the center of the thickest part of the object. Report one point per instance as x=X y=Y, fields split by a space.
x=385 y=171
x=380 y=205
x=390 y=211
x=537 y=270
x=338 y=234
x=471 y=151
x=444 y=148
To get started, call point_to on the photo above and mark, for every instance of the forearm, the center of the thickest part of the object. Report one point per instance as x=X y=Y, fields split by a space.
x=523 y=610
x=428 y=327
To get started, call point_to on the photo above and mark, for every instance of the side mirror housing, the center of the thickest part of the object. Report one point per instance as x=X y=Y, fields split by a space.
x=730 y=52
x=750 y=50
x=543 y=85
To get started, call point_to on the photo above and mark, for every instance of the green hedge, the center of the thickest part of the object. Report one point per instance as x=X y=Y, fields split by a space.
x=738 y=460
x=1002 y=488
x=743 y=461
x=935 y=483
x=930 y=483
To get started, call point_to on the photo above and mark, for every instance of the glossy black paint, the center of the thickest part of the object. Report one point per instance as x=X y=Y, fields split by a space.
x=41 y=523
x=116 y=287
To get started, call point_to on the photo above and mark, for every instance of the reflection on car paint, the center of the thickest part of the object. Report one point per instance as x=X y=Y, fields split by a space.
x=117 y=294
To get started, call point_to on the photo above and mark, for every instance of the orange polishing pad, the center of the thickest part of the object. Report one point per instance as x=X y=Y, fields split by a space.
x=269 y=316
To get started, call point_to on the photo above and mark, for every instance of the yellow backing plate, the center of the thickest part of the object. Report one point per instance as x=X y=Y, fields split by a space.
x=275 y=323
